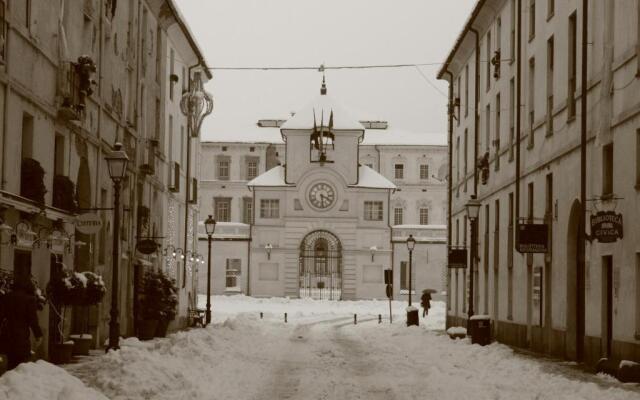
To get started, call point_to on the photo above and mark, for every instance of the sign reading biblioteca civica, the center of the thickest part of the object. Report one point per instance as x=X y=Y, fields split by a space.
x=606 y=226
x=88 y=224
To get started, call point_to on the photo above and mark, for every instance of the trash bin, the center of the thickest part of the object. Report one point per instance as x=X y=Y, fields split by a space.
x=480 y=329
x=412 y=316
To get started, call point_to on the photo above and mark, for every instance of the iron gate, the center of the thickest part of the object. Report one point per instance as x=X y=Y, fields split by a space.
x=321 y=266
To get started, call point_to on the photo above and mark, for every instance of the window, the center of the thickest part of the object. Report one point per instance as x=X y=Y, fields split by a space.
x=424 y=171
x=466 y=90
x=487 y=128
x=58 y=164
x=457 y=232
x=252 y=168
x=458 y=110
x=458 y=157
x=182 y=145
x=269 y=208
x=185 y=84
x=512 y=110
x=223 y=169
x=607 y=170
x=172 y=65
x=247 y=210
x=252 y=149
x=466 y=152
x=571 y=96
x=27 y=14
x=532 y=19
x=530 y=193
x=512 y=41
x=233 y=269
x=496 y=142
x=222 y=207
x=638 y=159
x=424 y=216
x=397 y=216
x=499 y=38
x=488 y=64
x=637 y=295
x=550 y=61
x=551 y=7
x=548 y=204
x=3 y=32
x=27 y=135
x=373 y=211
x=532 y=99
x=399 y=171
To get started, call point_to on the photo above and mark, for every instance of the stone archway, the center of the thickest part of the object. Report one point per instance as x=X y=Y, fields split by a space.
x=575 y=288
x=320 y=272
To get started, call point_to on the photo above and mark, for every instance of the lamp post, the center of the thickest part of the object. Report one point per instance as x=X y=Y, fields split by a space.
x=473 y=210
x=412 y=312
x=411 y=244
x=195 y=104
x=210 y=227
x=117 y=163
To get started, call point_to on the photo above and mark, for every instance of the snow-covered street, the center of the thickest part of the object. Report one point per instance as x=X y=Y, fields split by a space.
x=318 y=354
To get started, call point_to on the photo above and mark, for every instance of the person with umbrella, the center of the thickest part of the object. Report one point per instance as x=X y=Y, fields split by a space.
x=425 y=301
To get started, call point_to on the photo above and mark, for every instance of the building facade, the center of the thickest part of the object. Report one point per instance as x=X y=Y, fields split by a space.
x=291 y=225
x=75 y=78
x=516 y=121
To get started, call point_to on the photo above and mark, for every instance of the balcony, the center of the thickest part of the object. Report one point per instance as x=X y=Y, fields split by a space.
x=64 y=194
x=75 y=84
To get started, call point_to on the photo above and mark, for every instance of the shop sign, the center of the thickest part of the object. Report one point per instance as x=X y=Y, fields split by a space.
x=532 y=238
x=457 y=258
x=147 y=246
x=88 y=224
x=606 y=226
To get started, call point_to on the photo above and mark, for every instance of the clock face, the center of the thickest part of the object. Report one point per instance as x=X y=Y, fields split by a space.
x=322 y=195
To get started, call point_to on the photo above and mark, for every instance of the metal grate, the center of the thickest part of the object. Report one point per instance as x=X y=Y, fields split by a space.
x=320 y=266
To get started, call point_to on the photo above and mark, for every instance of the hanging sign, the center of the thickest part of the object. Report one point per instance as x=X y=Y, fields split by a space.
x=606 y=226
x=457 y=258
x=532 y=238
x=147 y=246
x=88 y=224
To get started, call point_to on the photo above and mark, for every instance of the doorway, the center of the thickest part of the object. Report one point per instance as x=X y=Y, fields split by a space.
x=575 y=287
x=607 y=304
x=55 y=269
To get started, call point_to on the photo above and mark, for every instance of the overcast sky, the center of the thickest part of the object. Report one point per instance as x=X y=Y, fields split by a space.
x=334 y=32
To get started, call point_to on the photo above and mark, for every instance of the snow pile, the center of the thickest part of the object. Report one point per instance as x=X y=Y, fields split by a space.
x=44 y=381
x=456 y=330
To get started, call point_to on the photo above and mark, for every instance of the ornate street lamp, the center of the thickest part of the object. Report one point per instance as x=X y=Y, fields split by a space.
x=195 y=104
x=117 y=163
x=210 y=228
x=268 y=247
x=412 y=312
x=473 y=211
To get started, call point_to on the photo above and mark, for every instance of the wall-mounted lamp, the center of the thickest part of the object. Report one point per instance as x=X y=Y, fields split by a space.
x=268 y=247
x=373 y=250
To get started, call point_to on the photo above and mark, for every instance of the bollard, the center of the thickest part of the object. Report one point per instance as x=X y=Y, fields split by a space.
x=285 y=318
x=260 y=315
x=379 y=318
x=355 y=319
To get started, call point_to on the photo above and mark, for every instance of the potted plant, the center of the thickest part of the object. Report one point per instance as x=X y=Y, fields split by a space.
x=32 y=180
x=64 y=193
x=65 y=289
x=169 y=303
x=94 y=291
x=151 y=305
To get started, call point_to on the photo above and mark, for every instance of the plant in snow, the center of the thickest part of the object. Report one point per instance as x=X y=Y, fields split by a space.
x=159 y=296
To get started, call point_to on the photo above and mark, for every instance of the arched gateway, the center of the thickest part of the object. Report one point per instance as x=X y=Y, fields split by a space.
x=321 y=266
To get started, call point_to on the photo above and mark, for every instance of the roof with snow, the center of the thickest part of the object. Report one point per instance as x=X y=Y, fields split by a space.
x=368 y=179
x=322 y=107
x=271 y=178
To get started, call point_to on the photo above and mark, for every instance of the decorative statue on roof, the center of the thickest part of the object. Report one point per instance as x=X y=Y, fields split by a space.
x=323 y=136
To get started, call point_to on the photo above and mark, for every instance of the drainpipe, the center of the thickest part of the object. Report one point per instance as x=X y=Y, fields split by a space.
x=474 y=226
x=187 y=185
x=7 y=92
x=583 y=173
x=518 y=111
x=390 y=238
x=449 y=173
